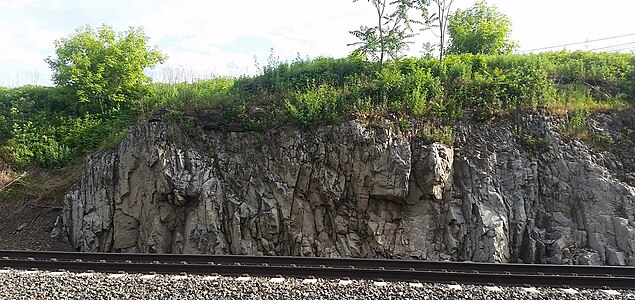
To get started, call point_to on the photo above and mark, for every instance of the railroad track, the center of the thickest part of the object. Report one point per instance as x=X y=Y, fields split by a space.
x=371 y=269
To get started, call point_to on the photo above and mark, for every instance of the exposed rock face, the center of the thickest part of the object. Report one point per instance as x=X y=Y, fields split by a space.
x=359 y=191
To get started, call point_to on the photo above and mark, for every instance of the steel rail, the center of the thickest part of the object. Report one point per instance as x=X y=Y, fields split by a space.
x=574 y=270
x=330 y=272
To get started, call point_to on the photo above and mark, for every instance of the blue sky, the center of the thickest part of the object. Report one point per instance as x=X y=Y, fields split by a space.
x=205 y=37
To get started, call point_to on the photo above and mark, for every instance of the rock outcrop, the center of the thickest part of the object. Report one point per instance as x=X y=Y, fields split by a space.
x=358 y=190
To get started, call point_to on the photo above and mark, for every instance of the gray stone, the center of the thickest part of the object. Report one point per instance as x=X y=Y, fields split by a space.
x=616 y=258
x=356 y=190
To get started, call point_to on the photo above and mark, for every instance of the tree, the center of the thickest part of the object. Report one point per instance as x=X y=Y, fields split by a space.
x=102 y=68
x=390 y=36
x=441 y=19
x=481 y=29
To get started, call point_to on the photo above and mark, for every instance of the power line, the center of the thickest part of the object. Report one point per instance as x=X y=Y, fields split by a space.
x=607 y=47
x=578 y=43
x=623 y=49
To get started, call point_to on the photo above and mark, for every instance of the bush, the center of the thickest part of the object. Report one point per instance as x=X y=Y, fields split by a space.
x=487 y=83
x=39 y=126
x=316 y=105
x=32 y=145
x=408 y=87
x=103 y=69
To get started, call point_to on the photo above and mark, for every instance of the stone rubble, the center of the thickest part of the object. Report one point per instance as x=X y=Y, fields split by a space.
x=361 y=190
x=16 y=285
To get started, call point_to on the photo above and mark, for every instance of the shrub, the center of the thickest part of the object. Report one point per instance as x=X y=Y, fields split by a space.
x=104 y=69
x=600 y=139
x=29 y=145
x=316 y=105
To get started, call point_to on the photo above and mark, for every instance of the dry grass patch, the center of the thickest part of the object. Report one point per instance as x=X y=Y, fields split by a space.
x=6 y=176
x=38 y=184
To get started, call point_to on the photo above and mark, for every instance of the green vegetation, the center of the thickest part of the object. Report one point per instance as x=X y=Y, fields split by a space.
x=443 y=134
x=43 y=126
x=179 y=96
x=576 y=126
x=101 y=88
x=392 y=34
x=480 y=29
x=100 y=81
x=530 y=141
x=38 y=125
x=103 y=69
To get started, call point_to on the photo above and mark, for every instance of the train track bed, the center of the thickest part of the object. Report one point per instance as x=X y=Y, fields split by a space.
x=37 y=275
x=370 y=269
x=33 y=284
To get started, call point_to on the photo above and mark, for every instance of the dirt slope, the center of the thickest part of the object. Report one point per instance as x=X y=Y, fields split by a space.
x=30 y=203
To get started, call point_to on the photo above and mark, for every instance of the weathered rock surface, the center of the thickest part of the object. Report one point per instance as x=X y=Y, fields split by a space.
x=362 y=191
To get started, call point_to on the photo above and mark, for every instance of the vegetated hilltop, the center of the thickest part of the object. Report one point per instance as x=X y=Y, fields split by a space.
x=49 y=126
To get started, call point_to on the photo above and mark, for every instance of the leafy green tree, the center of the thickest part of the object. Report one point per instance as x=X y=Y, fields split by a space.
x=389 y=38
x=481 y=29
x=104 y=69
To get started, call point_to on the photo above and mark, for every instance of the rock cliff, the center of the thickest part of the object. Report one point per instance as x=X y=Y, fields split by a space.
x=360 y=190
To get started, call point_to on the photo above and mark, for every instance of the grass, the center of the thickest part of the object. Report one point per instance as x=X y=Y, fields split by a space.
x=11 y=184
x=47 y=127
x=6 y=176
x=113 y=139
x=441 y=134
x=42 y=184
x=325 y=91
x=203 y=94
x=576 y=126
x=572 y=98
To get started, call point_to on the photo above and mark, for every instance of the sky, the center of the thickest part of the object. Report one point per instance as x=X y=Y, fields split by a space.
x=206 y=38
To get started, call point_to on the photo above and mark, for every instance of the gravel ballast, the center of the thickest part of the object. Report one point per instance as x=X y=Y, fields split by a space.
x=29 y=285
